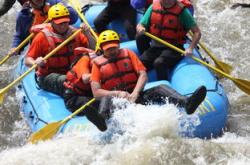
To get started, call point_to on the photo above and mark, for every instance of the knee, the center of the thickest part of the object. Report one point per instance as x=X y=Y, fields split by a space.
x=158 y=63
x=139 y=37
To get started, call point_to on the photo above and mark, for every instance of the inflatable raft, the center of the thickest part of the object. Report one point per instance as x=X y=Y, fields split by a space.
x=41 y=107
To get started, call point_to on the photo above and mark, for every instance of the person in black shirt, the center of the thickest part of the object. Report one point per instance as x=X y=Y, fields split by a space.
x=117 y=9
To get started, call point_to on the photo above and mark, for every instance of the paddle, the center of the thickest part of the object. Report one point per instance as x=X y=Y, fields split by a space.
x=219 y=64
x=76 y=5
x=51 y=129
x=4 y=90
x=244 y=85
x=23 y=43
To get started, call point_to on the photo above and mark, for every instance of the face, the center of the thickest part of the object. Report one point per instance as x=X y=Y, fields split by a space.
x=111 y=52
x=168 y=3
x=61 y=28
x=37 y=4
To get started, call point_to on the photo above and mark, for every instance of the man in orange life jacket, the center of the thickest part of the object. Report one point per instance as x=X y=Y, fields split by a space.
x=77 y=87
x=51 y=73
x=170 y=21
x=34 y=12
x=119 y=73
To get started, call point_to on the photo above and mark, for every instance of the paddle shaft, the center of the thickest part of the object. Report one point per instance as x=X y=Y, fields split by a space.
x=22 y=44
x=195 y=58
x=244 y=85
x=220 y=65
x=76 y=4
x=78 y=111
x=45 y=58
x=48 y=131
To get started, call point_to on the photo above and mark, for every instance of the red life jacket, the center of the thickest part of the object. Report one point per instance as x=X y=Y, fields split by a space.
x=61 y=61
x=39 y=16
x=165 y=23
x=148 y=3
x=117 y=73
x=73 y=81
x=187 y=3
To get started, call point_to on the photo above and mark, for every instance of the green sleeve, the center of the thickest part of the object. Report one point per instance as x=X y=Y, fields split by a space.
x=187 y=19
x=146 y=18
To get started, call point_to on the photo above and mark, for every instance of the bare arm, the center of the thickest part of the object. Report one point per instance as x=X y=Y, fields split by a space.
x=143 y=78
x=98 y=92
x=195 y=39
x=91 y=39
x=86 y=78
x=29 y=61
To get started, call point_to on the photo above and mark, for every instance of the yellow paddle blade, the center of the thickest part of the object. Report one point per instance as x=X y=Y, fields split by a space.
x=219 y=64
x=46 y=132
x=1 y=97
x=51 y=129
x=244 y=85
x=224 y=66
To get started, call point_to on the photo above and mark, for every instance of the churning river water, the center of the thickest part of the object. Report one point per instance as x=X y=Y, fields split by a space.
x=225 y=31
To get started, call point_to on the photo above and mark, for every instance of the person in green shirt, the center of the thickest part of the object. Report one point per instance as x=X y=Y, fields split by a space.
x=170 y=21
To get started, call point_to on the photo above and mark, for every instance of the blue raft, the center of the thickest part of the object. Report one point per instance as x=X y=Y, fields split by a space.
x=41 y=107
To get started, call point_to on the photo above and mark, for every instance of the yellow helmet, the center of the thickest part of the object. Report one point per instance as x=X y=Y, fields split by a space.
x=107 y=36
x=57 y=11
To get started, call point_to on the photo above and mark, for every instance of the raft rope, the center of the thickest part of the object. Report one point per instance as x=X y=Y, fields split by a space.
x=33 y=107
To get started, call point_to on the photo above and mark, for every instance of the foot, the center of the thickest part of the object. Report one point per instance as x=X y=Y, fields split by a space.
x=96 y=119
x=195 y=100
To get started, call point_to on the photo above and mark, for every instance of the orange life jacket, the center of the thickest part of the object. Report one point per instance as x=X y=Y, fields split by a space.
x=117 y=73
x=39 y=16
x=61 y=61
x=165 y=23
x=73 y=81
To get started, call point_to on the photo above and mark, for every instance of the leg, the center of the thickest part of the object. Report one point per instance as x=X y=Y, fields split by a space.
x=103 y=19
x=148 y=57
x=106 y=106
x=129 y=16
x=73 y=102
x=166 y=61
x=195 y=99
x=52 y=83
x=142 y=43
x=159 y=93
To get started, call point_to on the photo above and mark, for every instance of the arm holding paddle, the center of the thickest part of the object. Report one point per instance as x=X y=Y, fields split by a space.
x=244 y=85
x=91 y=38
x=195 y=39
